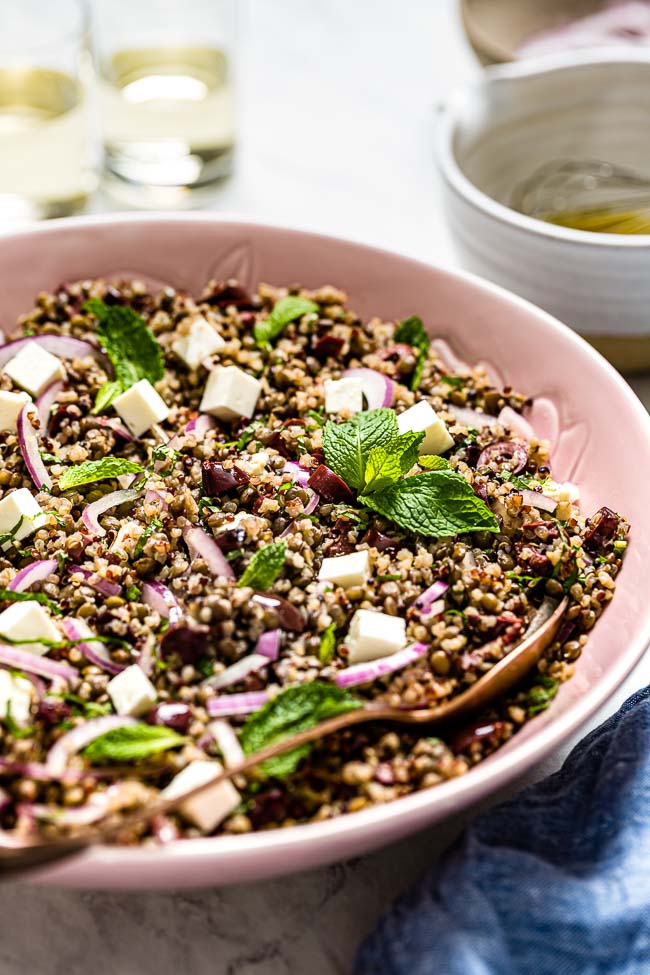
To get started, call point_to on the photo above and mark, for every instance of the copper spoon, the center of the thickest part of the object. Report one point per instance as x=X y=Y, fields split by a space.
x=28 y=854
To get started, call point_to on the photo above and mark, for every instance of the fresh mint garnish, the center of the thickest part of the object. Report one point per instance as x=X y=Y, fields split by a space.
x=248 y=434
x=284 y=311
x=265 y=566
x=131 y=347
x=412 y=332
x=431 y=462
x=291 y=711
x=145 y=536
x=386 y=465
x=540 y=696
x=327 y=644
x=11 y=596
x=456 y=382
x=131 y=743
x=97 y=470
x=347 y=445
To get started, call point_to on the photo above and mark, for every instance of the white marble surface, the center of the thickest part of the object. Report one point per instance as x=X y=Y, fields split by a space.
x=338 y=117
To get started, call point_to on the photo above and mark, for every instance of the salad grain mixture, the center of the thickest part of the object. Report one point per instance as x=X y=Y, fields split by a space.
x=225 y=519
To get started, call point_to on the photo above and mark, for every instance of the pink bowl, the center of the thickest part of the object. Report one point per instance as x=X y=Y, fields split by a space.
x=601 y=437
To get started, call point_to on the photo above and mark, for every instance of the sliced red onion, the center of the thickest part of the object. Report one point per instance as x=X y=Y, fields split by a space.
x=60 y=345
x=203 y=546
x=32 y=663
x=91 y=513
x=502 y=453
x=152 y=495
x=84 y=815
x=238 y=671
x=38 y=684
x=95 y=581
x=566 y=630
x=289 y=616
x=430 y=595
x=29 y=448
x=81 y=735
x=365 y=672
x=312 y=504
x=92 y=649
x=471 y=418
x=44 y=404
x=299 y=474
x=229 y=705
x=31 y=770
x=200 y=425
x=32 y=573
x=165 y=830
x=516 y=422
x=227 y=742
x=162 y=599
x=537 y=500
x=269 y=644
x=115 y=425
x=377 y=388
x=6 y=800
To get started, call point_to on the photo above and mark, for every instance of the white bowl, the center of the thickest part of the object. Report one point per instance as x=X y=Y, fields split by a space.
x=497 y=132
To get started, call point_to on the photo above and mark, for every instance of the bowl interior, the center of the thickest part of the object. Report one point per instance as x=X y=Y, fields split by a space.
x=524 y=118
x=600 y=433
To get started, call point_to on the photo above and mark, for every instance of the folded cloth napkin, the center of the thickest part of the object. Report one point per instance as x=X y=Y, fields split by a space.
x=556 y=881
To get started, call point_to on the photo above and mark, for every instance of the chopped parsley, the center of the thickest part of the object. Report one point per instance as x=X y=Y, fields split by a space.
x=154 y=524
x=540 y=696
x=11 y=596
x=412 y=332
x=327 y=644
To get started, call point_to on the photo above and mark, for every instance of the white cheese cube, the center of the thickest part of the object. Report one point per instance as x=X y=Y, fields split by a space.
x=230 y=393
x=422 y=418
x=201 y=341
x=344 y=395
x=29 y=621
x=16 y=697
x=131 y=692
x=253 y=464
x=34 y=369
x=140 y=407
x=346 y=570
x=372 y=635
x=20 y=513
x=127 y=539
x=210 y=807
x=10 y=406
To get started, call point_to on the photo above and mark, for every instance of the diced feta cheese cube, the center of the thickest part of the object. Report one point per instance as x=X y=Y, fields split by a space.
x=210 y=807
x=16 y=697
x=140 y=407
x=422 y=418
x=346 y=570
x=131 y=692
x=230 y=393
x=344 y=395
x=201 y=341
x=34 y=369
x=126 y=539
x=372 y=635
x=254 y=464
x=20 y=508
x=29 y=621
x=10 y=406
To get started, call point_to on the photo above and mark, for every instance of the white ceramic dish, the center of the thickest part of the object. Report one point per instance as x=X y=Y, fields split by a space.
x=495 y=134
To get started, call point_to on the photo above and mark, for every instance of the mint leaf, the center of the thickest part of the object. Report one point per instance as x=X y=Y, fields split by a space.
x=291 y=711
x=431 y=462
x=284 y=311
x=435 y=504
x=265 y=566
x=347 y=445
x=97 y=470
x=412 y=332
x=130 y=345
x=145 y=536
x=540 y=696
x=385 y=465
x=327 y=644
x=131 y=743
x=11 y=596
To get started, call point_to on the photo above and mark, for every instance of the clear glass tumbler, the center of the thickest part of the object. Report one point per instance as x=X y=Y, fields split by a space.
x=165 y=70
x=47 y=164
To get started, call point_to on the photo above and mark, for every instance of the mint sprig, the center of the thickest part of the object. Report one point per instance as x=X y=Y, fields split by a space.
x=385 y=465
x=347 y=445
x=131 y=743
x=412 y=332
x=131 y=347
x=284 y=311
x=98 y=470
x=265 y=566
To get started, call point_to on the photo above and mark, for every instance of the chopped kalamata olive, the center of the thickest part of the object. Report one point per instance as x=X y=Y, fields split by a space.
x=112 y=296
x=231 y=539
x=52 y=711
x=329 y=485
x=328 y=346
x=189 y=642
x=602 y=528
x=491 y=732
x=288 y=615
x=376 y=539
x=340 y=544
x=172 y=714
x=217 y=479
x=504 y=456
x=401 y=356
x=277 y=442
x=224 y=293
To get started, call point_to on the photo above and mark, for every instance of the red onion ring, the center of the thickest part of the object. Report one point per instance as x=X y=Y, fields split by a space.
x=92 y=649
x=234 y=704
x=228 y=743
x=44 y=405
x=429 y=596
x=501 y=452
x=152 y=495
x=537 y=500
x=377 y=388
x=471 y=418
x=95 y=581
x=365 y=672
x=81 y=735
x=237 y=671
x=91 y=513
x=203 y=546
x=516 y=422
x=162 y=599
x=29 y=448
x=60 y=345
x=32 y=663
x=32 y=573
x=269 y=644
x=199 y=425
x=113 y=424
x=299 y=474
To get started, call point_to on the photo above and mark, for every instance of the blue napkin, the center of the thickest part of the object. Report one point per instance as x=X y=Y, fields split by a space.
x=555 y=881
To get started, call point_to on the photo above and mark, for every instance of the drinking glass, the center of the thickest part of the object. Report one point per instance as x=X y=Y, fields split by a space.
x=47 y=164
x=165 y=75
